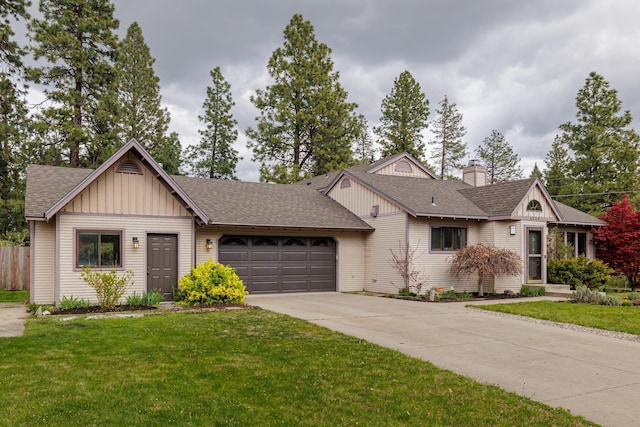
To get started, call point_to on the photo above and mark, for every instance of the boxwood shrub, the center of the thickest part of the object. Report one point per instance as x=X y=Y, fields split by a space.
x=211 y=283
x=578 y=272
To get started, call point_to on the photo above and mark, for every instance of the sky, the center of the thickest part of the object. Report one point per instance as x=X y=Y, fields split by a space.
x=513 y=66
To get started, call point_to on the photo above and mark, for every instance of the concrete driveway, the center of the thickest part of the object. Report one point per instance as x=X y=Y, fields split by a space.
x=595 y=376
x=12 y=318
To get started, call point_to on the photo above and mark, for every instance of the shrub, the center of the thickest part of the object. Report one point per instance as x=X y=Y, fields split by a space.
x=404 y=292
x=108 y=286
x=145 y=299
x=580 y=271
x=211 y=283
x=70 y=303
x=633 y=296
x=582 y=294
x=447 y=295
x=527 y=291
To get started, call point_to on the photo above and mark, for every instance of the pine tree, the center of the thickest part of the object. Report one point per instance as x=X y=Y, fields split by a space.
x=363 y=148
x=555 y=172
x=536 y=172
x=215 y=156
x=306 y=126
x=605 y=148
x=499 y=158
x=405 y=112
x=13 y=121
x=139 y=101
x=448 y=147
x=76 y=39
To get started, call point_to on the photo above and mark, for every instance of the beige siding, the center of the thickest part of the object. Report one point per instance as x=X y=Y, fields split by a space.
x=535 y=194
x=435 y=265
x=389 y=235
x=133 y=259
x=124 y=193
x=415 y=173
x=591 y=249
x=516 y=243
x=350 y=252
x=43 y=244
x=359 y=199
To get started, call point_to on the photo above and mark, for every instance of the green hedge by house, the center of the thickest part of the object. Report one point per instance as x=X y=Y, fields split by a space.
x=578 y=272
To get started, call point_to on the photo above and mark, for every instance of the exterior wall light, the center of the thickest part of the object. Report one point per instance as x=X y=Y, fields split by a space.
x=136 y=243
x=512 y=230
x=209 y=244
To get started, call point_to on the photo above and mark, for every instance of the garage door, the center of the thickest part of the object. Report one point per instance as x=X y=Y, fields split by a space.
x=281 y=264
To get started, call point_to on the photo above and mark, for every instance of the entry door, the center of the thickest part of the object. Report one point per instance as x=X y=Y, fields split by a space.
x=534 y=255
x=162 y=263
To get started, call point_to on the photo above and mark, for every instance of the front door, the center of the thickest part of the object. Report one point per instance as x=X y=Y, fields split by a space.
x=162 y=263
x=534 y=255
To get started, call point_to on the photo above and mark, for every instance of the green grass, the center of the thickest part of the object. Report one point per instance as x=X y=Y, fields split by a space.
x=236 y=368
x=622 y=319
x=13 y=296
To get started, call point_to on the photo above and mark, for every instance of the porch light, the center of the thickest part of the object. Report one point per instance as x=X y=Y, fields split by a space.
x=512 y=230
x=136 y=243
x=209 y=244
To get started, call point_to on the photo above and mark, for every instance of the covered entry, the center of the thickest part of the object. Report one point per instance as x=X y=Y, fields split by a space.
x=281 y=264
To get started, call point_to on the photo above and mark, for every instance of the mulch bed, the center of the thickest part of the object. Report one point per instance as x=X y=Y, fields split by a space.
x=474 y=297
x=94 y=309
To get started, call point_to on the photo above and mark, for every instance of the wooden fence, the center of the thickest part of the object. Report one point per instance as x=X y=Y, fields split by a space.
x=14 y=268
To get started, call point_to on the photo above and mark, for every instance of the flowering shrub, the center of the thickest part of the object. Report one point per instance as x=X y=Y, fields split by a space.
x=211 y=283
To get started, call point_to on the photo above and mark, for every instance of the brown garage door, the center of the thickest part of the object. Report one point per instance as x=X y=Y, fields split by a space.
x=281 y=264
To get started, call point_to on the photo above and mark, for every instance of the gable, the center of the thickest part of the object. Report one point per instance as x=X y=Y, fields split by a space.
x=359 y=199
x=536 y=206
x=127 y=187
x=402 y=165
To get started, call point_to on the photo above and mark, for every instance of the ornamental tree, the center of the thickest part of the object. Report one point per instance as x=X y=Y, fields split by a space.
x=485 y=261
x=618 y=242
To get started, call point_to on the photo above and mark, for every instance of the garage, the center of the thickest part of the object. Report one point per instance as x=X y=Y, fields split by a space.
x=269 y=264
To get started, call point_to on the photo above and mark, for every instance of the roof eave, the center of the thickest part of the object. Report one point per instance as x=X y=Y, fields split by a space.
x=286 y=227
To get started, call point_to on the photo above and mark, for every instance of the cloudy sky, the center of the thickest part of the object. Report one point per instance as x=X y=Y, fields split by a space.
x=514 y=66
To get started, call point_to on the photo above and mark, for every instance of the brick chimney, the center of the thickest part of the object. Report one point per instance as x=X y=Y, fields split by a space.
x=475 y=174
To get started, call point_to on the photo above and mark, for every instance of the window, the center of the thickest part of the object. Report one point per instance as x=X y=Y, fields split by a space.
x=448 y=238
x=535 y=206
x=345 y=183
x=99 y=249
x=403 y=166
x=577 y=240
x=264 y=241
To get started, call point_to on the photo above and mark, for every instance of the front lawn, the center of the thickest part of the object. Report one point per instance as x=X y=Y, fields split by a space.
x=250 y=367
x=611 y=318
x=13 y=296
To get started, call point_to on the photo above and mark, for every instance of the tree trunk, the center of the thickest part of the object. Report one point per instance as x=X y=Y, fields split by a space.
x=480 y=286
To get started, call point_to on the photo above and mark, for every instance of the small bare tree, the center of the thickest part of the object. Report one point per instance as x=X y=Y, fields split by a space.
x=485 y=261
x=402 y=262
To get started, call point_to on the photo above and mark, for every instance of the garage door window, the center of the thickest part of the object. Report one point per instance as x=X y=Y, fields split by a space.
x=265 y=241
x=294 y=242
x=322 y=242
x=233 y=241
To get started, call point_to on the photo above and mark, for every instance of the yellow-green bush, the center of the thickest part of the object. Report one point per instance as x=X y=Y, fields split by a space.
x=211 y=283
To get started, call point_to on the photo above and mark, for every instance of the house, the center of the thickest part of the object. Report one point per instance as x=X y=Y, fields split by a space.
x=333 y=232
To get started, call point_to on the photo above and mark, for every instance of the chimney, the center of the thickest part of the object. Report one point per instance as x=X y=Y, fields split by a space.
x=475 y=174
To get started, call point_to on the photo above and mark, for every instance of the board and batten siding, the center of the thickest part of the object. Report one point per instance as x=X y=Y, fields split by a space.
x=126 y=193
x=43 y=275
x=390 y=169
x=70 y=283
x=350 y=251
x=360 y=200
x=389 y=235
x=435 y=264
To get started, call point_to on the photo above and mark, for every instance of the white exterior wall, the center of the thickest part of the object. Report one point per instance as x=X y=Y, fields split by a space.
x=350 y=251
x=43 y=273
x=359 y=199
x=139 y=226
x=390 y=234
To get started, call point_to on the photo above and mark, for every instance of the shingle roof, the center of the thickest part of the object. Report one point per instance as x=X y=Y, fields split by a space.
x=499 y=199
x=574 y=216
x=48 y=184
x=416 y=195
x=268 y=205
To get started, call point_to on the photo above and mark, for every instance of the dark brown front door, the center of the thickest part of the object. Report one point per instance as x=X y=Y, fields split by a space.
x=162 y=263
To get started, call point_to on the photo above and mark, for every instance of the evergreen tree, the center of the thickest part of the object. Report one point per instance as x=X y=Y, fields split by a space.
x=76 y=39
x=405 y=112
x=139 y=101
x=306 y=126
x=363 y=148
x=536 y=172
x=13 y=118
x=215 y=156
x=448 y=147
x=555 y=172
x=605 y=148
x=498 y=156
